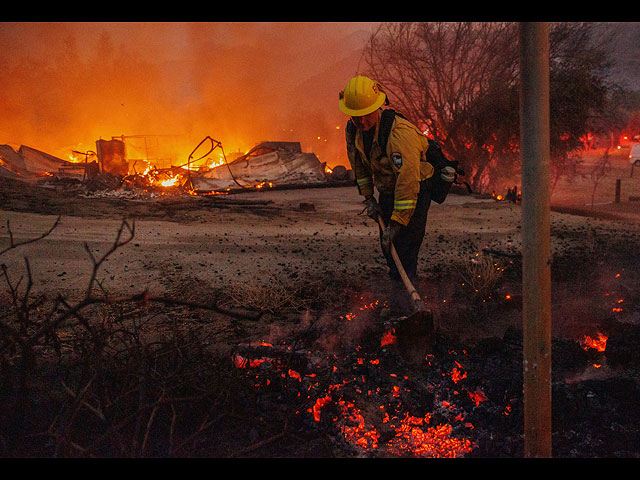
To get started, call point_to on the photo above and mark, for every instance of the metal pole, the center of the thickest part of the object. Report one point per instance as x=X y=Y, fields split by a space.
x=536 y=258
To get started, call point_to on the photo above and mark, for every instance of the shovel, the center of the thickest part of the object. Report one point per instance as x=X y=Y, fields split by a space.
x=415 y=334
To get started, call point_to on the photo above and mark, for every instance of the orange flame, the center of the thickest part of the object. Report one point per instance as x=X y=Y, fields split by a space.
x=170 y=182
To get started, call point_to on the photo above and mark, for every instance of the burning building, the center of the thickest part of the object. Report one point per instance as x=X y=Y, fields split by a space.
x=268 y=164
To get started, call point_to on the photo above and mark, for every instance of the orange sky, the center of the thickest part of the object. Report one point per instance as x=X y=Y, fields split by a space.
x=65 y=85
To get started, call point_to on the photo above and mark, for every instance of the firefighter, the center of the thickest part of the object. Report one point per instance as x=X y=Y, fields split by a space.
x=400 y=173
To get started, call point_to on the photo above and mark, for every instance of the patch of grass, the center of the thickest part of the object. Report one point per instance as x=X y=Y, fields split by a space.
x=277 y=294
x=482 y=274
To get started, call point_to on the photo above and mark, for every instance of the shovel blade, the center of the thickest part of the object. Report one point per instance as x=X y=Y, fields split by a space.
x=416 y=335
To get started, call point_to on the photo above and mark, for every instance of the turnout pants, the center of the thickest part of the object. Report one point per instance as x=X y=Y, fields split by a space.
x=409 y=239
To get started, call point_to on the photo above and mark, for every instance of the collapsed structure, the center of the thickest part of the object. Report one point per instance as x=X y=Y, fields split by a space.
x=268 y=164
x=29 y=164
x=281 y=163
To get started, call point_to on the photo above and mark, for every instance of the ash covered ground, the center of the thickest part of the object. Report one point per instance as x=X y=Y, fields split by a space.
x=302 y=291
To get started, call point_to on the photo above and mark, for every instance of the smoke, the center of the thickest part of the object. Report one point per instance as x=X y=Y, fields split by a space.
x=65 y=85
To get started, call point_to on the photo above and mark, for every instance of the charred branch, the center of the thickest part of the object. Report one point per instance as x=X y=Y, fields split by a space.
x=14 y=244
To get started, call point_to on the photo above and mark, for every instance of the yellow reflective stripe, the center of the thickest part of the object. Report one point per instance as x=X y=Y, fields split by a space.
x=363 y=181
x=404 y=204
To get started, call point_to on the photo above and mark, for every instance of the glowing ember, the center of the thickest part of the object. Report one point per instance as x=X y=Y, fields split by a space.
x=618 y=309
x=317 y=407
x=367 y=306
x=477 y=397
x=366 y=408
x=599 y=343
x=356 y=431
x=412 y=437
x=434 y=442
x=456 y=375
x=388 y=338
x=241 y=362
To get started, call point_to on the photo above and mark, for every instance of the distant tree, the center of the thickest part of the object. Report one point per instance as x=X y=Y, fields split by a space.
x=460 y=83
x=629 y=107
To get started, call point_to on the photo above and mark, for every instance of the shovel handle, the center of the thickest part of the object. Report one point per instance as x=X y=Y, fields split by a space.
x=415 y=296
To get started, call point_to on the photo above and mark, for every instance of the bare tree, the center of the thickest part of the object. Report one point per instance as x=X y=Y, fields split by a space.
x=459 y=82
x=598 y=172
x=435 y=73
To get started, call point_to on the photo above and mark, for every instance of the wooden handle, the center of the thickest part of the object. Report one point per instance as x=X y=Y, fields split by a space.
x=415 y=296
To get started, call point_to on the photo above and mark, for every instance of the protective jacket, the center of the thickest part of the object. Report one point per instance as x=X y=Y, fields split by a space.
x=398 y=170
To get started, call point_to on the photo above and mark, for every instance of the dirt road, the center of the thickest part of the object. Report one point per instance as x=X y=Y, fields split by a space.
x=216 y=241
x=196 y=247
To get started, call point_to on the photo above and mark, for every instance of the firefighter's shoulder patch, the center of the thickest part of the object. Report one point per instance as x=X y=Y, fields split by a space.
x=396 y=158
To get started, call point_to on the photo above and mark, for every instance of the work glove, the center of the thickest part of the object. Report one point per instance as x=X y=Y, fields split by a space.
x=448 y=174
x=389 y=235
x=373 y=208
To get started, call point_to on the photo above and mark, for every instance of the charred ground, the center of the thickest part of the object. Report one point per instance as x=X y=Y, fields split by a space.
x=301 y=291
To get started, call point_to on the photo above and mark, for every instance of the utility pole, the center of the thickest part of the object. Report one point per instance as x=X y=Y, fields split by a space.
x=536 y=257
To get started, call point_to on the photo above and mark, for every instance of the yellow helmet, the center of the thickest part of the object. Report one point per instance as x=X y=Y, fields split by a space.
x=361 y=96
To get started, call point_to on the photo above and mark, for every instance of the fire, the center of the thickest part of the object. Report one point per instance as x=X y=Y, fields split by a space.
x=217 y=163
x=77 y=156
x=156 y=175
x=599 y=343
x=170 y=182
